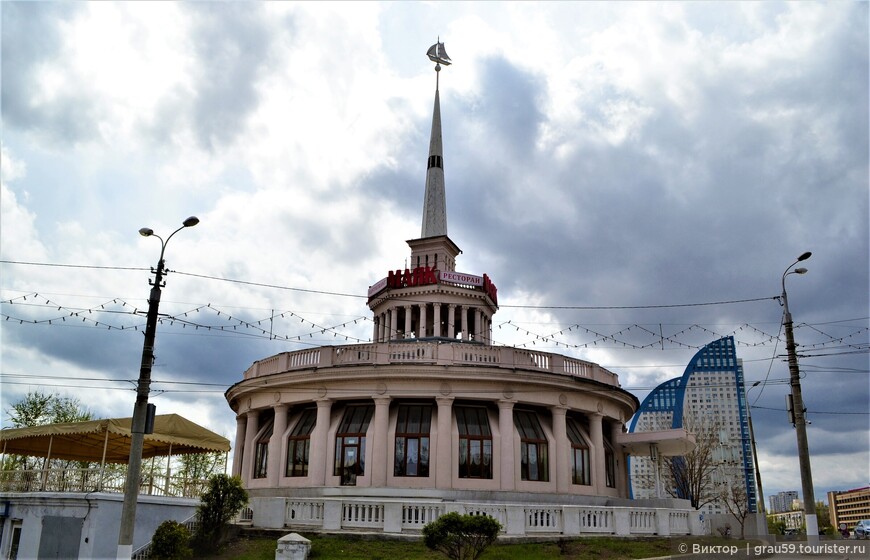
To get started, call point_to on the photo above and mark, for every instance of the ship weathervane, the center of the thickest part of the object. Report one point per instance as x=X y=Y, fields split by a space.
x=438 y=55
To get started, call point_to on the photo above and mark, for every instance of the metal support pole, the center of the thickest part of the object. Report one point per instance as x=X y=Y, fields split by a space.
x=799 y=412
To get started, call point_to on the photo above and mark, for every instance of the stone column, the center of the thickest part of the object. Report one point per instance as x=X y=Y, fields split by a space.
x=273 y=471
x=443 y=456
x=561 y=450
x=394 y=323
x=436 y=319
x=451 y=320
x=383 y=327
x=508 y=457
x=241 y=420
x=250 y=445
x=599 y=482
x=375 y=321
x=319 y=446
x=464 y=314
x=378 y=457
x=478 y=325
x=421 y=326
x=407 y=321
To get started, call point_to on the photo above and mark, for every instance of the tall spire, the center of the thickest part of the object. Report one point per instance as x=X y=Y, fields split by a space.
x=434 y=200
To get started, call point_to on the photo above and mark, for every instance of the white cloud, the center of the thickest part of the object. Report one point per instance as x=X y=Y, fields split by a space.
x=596 y=154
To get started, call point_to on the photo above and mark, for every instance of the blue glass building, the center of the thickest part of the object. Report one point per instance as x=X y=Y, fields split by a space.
x=712 y=389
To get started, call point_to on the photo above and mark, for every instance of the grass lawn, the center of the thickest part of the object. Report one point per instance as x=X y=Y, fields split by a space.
x=327 y=547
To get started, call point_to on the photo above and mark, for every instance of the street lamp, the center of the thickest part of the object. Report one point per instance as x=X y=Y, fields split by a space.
x=140 y=409
x=798 y=407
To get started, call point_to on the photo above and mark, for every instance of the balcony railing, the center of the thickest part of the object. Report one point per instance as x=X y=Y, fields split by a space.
x=431 y=352
x=98 y=480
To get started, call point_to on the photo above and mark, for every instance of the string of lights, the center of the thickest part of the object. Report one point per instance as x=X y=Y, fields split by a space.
x=107 y=315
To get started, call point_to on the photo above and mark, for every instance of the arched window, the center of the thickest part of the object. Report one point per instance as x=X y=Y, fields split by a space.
x=299 y=444
x=261 y=457
x=412 y=440
x=350 y=443
x=475 y=442
x=580 y=473
x=533 y=447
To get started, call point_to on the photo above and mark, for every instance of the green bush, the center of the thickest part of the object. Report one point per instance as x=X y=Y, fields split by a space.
x=223 y=499
x=170 y=542
x=461 y=537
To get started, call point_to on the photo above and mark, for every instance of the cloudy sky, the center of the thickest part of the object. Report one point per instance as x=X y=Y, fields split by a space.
x=634 y=177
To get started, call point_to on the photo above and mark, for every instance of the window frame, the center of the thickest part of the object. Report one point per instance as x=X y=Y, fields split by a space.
x=582 y=446
x=609 y=465
x=534 y=447
x=422 y=437
x=351 y=434
x=300 y=436
x=471 y=442
x=261 y=451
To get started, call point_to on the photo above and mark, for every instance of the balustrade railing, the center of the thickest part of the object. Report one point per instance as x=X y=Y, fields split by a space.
x=414 y=351
x=368 y=515
x=596 y=520
x=516 y=519
x=415 y=516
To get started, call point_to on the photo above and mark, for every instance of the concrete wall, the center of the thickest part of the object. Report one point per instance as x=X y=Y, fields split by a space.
x=100 y=516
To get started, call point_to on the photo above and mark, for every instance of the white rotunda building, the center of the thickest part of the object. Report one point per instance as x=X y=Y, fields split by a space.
x=431 y=417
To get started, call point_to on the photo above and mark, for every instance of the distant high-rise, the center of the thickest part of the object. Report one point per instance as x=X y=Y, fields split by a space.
x=710 y=395
x=783 y=501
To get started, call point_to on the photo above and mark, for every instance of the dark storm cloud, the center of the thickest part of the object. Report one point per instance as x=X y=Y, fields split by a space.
x=730 y=193
x=30 y=38
x=233 y=48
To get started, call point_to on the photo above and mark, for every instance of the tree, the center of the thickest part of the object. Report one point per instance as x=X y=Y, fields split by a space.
x=774 y=526
x=199 y=466
x=824 y=518
x=171 y=542
x=461 y=537
x=223 y=499
x=691 y=476
x=732 y=494
x=38 y=409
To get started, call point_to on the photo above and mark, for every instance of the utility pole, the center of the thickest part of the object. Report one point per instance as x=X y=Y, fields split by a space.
x=800 y=423
x=140 y=409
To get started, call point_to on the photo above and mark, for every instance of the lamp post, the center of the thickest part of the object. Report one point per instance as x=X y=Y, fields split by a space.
x=761 y=523
x=137 y=428
x=798 y=407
